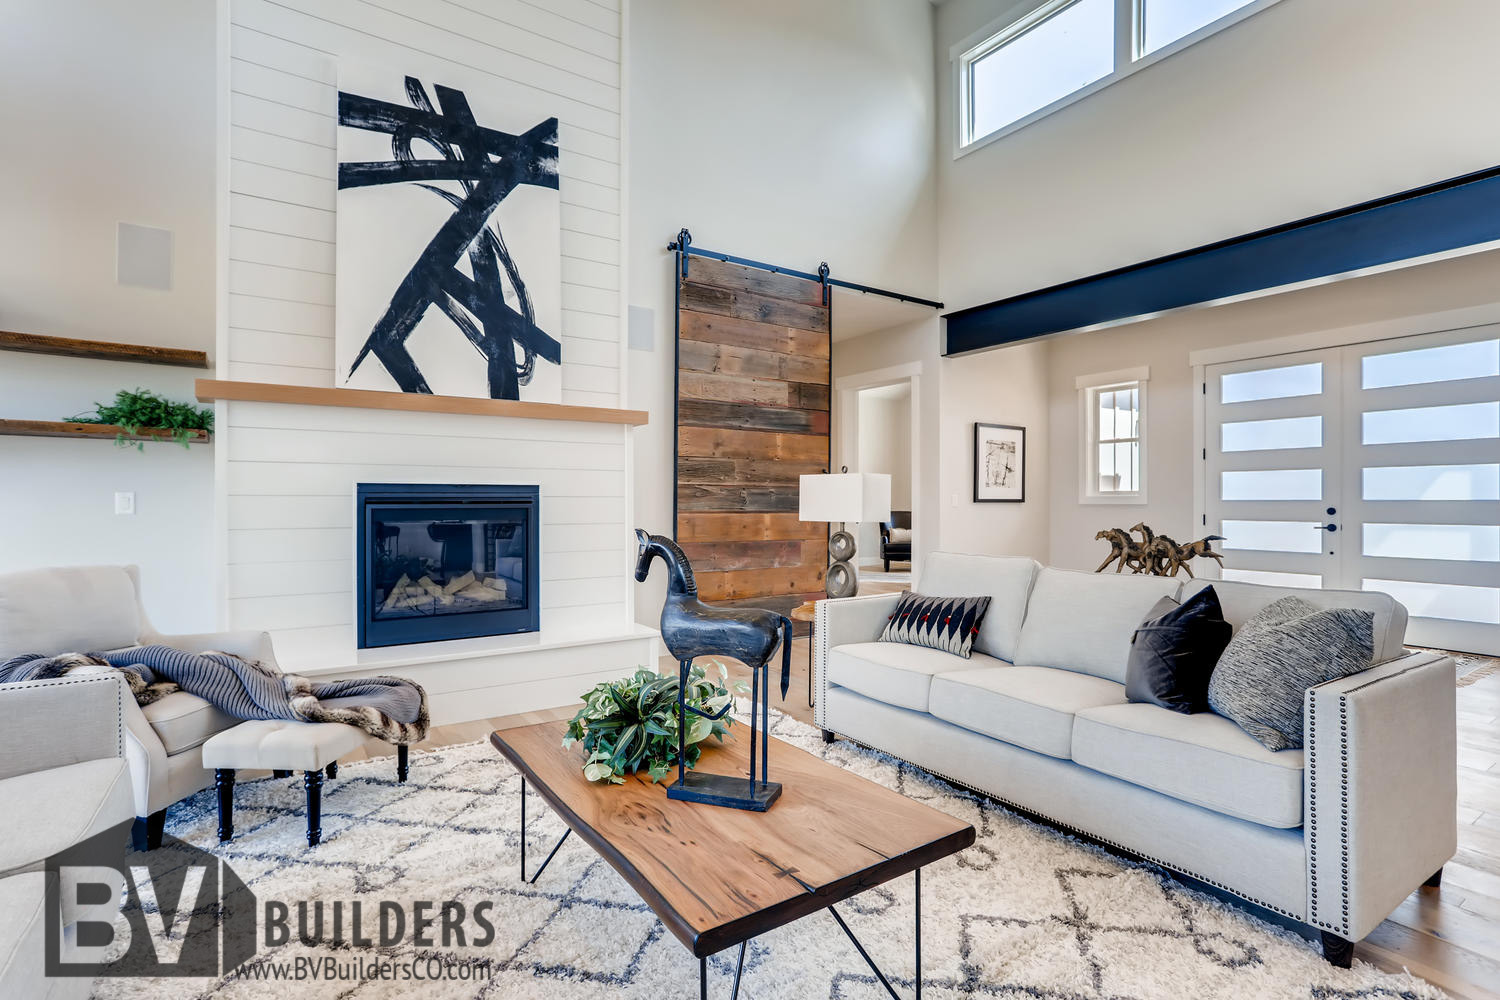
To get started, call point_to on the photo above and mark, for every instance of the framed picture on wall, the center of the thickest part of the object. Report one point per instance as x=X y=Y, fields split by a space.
x=999 y=463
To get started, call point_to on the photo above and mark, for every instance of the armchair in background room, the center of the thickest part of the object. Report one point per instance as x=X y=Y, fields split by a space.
x=895 y=538
x=84 y=609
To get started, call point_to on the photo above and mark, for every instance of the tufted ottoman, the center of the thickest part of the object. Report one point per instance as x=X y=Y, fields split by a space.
x=283 y=747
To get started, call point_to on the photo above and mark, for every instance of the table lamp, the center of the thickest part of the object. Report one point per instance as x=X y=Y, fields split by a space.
x=843 y=497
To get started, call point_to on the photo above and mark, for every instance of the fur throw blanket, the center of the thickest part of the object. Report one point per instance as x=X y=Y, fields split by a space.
x=390 y=708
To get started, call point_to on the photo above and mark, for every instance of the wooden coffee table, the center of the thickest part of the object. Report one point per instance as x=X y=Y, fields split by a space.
x=718 y=877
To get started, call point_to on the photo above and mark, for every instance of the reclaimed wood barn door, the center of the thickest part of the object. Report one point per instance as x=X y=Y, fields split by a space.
x=752 y=416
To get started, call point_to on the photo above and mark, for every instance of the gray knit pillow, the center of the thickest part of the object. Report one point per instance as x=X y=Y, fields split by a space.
x=1289 y=646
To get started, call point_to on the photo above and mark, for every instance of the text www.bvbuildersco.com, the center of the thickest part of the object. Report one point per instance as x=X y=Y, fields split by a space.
x=352 y=970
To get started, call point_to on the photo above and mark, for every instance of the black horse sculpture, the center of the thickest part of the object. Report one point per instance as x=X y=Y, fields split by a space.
x=691 y=629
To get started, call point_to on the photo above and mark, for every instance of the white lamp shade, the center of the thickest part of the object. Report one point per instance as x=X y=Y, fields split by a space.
x=847 y=497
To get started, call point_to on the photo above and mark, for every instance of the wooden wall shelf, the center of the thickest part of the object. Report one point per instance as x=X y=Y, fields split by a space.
x=89 y=432
x=268 y=392
x=33 y=343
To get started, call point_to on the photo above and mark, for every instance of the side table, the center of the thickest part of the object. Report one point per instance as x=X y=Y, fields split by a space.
x=807 y=613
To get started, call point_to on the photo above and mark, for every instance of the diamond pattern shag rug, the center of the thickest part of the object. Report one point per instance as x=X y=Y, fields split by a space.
x=1027 y=912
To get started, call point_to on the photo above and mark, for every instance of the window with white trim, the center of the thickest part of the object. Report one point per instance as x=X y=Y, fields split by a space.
x=1062 y=50
x=1112 y=419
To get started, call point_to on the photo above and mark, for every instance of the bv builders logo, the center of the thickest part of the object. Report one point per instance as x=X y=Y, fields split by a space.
x=181 y=911
x=185 y=912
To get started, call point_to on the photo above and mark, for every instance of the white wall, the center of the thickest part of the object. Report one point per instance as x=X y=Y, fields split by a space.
x=289 y=471
x=1307 y=106
x=998 y=387
x=109 y=118
x=783 y=131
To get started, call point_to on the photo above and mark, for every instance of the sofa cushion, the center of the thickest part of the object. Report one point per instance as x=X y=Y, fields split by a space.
x=62 y=806
x=183 y=721
x=1031 y=707
x=1242 y=601
x=1084 y=621
x=71 y=609
x=894 y=673
x=1204 y=759
x=1006 y=579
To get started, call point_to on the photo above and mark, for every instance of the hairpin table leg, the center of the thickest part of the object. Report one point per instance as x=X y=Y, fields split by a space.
x=739 y=970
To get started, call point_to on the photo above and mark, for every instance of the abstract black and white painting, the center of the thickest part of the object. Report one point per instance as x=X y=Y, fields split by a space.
x=999 y=463
x=448 y=256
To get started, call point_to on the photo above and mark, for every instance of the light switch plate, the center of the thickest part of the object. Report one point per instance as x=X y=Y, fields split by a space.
x=124 y=503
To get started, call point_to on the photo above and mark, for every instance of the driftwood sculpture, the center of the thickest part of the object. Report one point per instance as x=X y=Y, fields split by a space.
x=691 y=629
x=1157 y=555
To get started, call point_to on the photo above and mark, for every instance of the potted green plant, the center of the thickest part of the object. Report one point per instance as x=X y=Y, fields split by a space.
x=632 y=724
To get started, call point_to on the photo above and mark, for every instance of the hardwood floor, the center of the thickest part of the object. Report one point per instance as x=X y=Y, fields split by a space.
x=1449 y=936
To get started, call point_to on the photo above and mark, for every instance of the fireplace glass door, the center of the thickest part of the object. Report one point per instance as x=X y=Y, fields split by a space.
x=435 y=571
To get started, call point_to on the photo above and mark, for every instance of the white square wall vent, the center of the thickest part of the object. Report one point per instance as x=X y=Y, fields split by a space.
x=143 y=256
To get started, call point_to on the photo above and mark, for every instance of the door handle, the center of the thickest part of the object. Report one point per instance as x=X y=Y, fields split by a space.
x=1326 y=527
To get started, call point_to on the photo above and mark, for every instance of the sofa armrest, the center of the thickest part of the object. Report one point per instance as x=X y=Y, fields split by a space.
x=249 y=643
x=1381 y=789
x=845 y=620
x=65 y=720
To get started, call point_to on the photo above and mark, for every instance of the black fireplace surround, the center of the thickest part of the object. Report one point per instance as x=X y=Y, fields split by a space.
x=443 y=562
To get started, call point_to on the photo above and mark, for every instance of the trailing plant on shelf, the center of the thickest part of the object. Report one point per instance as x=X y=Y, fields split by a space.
x=631 y=724
x=134 y=411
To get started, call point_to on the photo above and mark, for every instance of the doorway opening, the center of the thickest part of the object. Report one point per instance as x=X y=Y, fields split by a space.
x=879 y=422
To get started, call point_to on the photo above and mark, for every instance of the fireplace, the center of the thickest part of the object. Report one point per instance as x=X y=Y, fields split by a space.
x=445 y=562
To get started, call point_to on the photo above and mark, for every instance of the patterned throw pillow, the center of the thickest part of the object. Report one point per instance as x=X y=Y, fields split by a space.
x=1261 y=681
x=947 y=623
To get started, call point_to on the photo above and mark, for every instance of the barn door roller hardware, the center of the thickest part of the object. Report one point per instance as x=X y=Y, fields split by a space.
x=683 y=247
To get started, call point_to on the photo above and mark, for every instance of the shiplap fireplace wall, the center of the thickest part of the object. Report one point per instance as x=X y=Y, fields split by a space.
x=286 y=472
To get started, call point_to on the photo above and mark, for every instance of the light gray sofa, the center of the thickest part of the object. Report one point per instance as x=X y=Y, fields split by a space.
x=63 y=779
x=1334 y=836
x=98 y=608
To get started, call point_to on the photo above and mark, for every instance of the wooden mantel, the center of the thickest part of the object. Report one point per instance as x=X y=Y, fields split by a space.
x=208 y=390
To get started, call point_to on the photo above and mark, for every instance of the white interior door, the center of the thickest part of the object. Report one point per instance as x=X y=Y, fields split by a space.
x=1375 y=467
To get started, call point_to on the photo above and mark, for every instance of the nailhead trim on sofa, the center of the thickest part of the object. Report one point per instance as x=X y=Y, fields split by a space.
x=1312 y=817
x=84 y=679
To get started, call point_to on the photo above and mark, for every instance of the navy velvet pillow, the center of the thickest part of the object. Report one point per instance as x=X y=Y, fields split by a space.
x=1172 y=654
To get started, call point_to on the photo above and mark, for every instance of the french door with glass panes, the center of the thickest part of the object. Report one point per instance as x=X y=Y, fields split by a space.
x=1369 y=467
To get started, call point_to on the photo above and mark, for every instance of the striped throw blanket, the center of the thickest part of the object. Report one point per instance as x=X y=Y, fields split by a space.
x=390 y=708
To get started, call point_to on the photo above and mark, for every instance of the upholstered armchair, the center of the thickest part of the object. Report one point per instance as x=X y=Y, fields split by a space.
x=63 y=780
x=895 y=538
x=98 y=608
